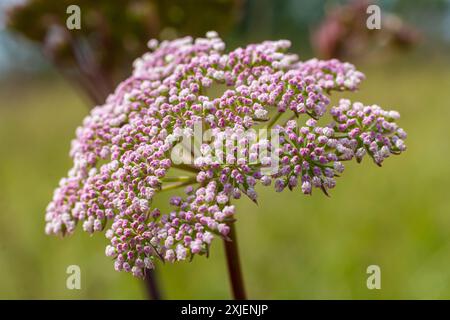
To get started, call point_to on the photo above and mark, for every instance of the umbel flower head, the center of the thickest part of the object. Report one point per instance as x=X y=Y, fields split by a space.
x=122 y=153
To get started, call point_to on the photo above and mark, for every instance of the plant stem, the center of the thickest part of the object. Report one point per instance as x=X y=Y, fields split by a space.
x=177 y=179
x=273 y=120
x=186 y=167
x=234 y=265
x=177 y=185
x=151 y=285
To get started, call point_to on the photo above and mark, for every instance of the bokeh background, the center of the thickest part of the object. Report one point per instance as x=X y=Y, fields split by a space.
x=292 y=246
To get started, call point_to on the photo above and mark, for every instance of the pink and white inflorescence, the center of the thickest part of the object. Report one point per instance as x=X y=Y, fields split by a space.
x=122 y=151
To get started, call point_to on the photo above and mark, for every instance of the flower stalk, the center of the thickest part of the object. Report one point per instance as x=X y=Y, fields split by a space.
x=234 y=265
x=152 y=285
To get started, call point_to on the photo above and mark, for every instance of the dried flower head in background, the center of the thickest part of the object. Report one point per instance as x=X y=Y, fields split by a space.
x=343 y=32
x=113 y=33
x=123 y=155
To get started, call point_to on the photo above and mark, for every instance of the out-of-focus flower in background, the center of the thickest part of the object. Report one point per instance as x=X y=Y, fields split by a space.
x=343 y=32
x=112 y=35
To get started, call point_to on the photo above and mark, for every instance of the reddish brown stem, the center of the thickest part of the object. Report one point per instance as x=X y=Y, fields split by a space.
x=234 y=265
x=151 y=285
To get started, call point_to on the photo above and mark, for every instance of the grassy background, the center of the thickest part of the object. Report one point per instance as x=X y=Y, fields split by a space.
x=292 y=246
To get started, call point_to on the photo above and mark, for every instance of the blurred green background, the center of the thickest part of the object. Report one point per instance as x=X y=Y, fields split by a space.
x=292 y=246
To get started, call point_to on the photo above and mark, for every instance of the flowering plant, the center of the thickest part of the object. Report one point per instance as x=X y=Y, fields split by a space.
x=124 y=152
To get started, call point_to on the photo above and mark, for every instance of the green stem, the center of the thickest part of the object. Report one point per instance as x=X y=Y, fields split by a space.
x=274 y=120
x=177 y=179
x=186 y=167
x=178 y=184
